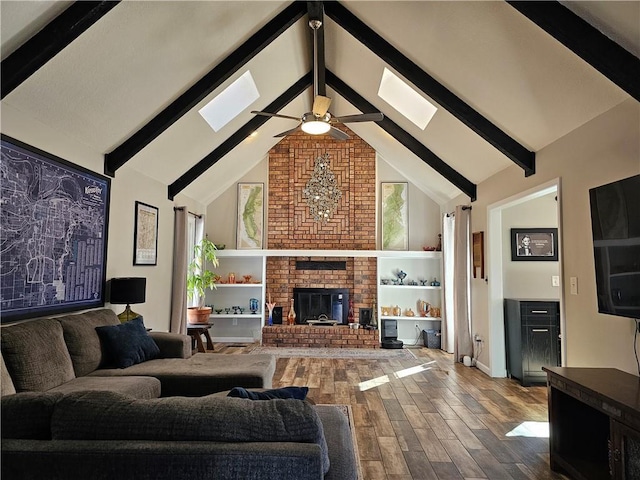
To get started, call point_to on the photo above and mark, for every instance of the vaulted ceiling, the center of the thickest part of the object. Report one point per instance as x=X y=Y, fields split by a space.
x=508 y=79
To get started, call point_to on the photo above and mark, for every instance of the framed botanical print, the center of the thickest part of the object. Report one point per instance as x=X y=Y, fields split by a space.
x=250 y=216
x=395 y=215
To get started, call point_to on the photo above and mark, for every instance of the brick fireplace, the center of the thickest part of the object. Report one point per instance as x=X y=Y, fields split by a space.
x=352 y=226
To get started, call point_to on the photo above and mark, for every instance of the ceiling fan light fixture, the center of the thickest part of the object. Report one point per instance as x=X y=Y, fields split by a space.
x=315 y=127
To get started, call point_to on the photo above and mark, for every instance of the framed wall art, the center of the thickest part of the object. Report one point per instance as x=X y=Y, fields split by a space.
x=534 y=244
x=250 y=216
x=145 y=248
x=54 y=233
x=478 y=254
x=395 y=215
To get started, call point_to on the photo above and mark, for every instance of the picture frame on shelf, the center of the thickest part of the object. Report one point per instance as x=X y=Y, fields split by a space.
x=250 y=223
x=534 y=244
x=145 y=235
x=394 y=197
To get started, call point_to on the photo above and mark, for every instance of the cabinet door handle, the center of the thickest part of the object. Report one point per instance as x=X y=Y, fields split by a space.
x=539 y=329
x=539 y=311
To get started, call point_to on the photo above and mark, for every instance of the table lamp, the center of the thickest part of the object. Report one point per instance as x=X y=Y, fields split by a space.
x=127 y=290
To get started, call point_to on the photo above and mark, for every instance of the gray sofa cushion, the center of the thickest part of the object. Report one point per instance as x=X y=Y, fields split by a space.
x=137 y=387
x=110 y=416
x=83 y=341
x=342 y=453
x=36 y=355
x=28 y=415
x=172 y=345
x=6 y=387
x=203 y=373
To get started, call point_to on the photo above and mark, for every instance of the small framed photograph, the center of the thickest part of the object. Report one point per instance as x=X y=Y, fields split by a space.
x=145 y=236
x=250 y=216
x=534 y=244
x=395 y=215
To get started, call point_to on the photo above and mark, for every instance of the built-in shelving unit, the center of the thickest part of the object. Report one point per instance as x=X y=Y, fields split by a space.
x=247 y=327
x=229 y=326
x=421 y=268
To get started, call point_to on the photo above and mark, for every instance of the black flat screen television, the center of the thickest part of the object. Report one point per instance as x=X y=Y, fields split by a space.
x=615 y=225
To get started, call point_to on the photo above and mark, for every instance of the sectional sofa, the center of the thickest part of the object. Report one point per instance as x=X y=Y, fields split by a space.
x=69 y=413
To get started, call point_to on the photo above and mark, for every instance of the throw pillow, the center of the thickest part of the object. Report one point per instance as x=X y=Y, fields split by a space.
x=127 y=344
x=298 y=393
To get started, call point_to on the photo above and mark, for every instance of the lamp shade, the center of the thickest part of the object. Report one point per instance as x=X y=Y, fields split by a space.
x=127 y=290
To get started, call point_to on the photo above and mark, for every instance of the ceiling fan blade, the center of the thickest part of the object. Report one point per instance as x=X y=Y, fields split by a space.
x=267 y=114
x=338 y=134
x=320 y=105
x=361 y=117
x=288 y=132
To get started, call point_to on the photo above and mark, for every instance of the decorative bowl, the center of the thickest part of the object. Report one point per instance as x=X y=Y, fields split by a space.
x=220 y=246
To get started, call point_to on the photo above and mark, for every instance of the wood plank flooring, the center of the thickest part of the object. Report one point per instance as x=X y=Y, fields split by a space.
x=428 y=418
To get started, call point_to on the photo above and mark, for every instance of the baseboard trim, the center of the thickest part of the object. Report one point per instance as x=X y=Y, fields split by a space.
x=483 y=368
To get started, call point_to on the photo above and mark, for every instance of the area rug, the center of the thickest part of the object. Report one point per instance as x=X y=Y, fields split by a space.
x=346 y=410
x=366 y=353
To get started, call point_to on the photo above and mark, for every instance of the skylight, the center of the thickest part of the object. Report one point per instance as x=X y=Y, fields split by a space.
x=230 y=102
x=405 y=99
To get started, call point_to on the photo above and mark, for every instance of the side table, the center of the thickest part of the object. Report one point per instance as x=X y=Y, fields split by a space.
x=196 y=331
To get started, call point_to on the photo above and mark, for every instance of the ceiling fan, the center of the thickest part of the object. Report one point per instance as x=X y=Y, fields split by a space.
x=319 y=120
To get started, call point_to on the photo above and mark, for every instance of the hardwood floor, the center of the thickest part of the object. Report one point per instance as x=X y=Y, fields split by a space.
x=428 y=418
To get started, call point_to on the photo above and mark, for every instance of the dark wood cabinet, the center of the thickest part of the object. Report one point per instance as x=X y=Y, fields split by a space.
x=594 y=423
x=532 y=334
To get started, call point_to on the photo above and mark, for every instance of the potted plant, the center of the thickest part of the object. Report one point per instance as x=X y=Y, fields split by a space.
x=200 y=278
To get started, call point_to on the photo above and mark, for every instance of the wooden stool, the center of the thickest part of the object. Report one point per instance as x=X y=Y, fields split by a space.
x=195 y=331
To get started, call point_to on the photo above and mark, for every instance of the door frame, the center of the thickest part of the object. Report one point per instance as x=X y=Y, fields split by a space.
x=495 y=248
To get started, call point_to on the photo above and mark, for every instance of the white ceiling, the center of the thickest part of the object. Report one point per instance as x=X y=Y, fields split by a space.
x=142 y=55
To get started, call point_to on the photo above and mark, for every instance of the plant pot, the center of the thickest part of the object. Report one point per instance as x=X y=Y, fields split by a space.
x=198 y=314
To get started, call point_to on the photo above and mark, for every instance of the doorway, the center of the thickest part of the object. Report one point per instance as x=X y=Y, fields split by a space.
x=537 y=207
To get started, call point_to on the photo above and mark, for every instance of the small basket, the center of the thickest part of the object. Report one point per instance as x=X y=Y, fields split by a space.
x=431 y=338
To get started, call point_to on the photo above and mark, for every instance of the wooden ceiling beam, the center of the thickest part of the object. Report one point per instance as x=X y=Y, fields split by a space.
x=238 y=136
x=403 y=137
x=431 y=87
x=609 y=58
x=203 y=87
x=50 y=41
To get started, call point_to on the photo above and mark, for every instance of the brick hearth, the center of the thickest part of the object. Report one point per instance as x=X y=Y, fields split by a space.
x=339 y=336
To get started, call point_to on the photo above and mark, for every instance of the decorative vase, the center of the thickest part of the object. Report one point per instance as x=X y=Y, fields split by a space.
x=253 y=305
x=291 y=318
x=270 y=307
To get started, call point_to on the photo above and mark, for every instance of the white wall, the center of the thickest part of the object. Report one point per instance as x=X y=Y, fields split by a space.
x=424 y=213
x=127 y=187
x=222 y=213
x=530 y=280
x=603 y=150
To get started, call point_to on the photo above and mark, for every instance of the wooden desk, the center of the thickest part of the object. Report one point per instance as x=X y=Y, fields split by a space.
x=196 y=331
x=594 y=422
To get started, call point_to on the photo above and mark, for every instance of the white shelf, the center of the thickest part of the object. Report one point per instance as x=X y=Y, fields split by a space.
x=328 y=253
x=238 y=285
x=407 y=287
x=423 y=319
x=257 y=316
